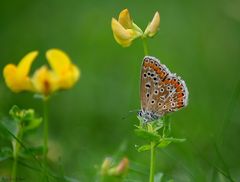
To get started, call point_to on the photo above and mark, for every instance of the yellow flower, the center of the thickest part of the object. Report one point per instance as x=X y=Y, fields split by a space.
x=16 y=77
x=125 y=30
x=153 y=26
x=45 y=81
x=63 y=75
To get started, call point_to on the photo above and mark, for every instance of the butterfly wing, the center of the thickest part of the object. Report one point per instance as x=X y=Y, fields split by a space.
x=161 y=91
x=152 y=75
x=175 y=95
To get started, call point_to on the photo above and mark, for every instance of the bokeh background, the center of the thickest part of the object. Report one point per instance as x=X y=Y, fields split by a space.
x=199 y=40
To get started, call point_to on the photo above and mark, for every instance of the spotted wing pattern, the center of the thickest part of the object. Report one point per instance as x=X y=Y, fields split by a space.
x=161 y=91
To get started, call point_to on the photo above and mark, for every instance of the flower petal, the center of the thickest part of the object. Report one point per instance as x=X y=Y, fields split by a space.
x=58 y=60
x=68 y=78
x=24 y=65
x=119 y=30
x=153 y=26
x=124 y=19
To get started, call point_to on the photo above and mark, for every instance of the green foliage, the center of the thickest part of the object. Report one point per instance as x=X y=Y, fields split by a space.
x=155 y=131
x=25 y=118
x=5 y=153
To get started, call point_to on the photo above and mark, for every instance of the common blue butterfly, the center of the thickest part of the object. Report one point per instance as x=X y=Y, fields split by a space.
x=161 y=91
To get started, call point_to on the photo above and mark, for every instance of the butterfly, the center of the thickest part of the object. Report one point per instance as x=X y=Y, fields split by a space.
x=161 y=91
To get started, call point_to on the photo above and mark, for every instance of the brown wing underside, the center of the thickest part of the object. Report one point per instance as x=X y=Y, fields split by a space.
x=161 y=91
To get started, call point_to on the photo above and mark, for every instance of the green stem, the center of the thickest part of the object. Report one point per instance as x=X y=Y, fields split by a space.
x=145 y=46
x=152 y=162
x=45 y=129
x=45 y=137
x=16 y=149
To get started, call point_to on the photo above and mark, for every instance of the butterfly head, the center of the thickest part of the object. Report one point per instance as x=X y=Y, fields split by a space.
x=148 y=116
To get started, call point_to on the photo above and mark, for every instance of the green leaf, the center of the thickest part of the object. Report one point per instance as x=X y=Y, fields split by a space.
x=10 y=126
x=148 y=136
x=158 y=177
x=144 y=148
x=5 y=153
x=28 y=152
x=164 y=142
x=32 y=124
x=14 y=112
x=175 y=140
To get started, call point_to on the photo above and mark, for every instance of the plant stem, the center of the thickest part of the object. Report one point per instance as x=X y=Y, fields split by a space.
x=45 y=129
x=145 y=46
x=45 y=137
x=152 y=162
x=16 y=149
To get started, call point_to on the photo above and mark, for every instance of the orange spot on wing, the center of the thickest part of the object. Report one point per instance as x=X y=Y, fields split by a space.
x=179 y=95
x=178 y=89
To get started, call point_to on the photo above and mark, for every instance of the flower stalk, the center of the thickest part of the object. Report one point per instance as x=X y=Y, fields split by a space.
x=145 y=46
x=16 y=149
x=45 y=129
x=152 y=161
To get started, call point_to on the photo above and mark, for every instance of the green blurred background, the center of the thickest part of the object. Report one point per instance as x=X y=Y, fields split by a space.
x=199 y=40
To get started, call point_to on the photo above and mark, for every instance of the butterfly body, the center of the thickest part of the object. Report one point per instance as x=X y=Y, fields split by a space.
x=162 y=92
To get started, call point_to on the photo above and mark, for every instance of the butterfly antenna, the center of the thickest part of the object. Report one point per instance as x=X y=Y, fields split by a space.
x=129 y=113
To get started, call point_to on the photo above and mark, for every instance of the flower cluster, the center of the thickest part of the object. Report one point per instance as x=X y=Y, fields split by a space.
x=62 y=75
x=125 y=30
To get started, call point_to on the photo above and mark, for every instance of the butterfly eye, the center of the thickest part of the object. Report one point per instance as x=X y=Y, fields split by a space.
x=169 y=110
x=148 y=73
x=153 y=101
x=145 y=75
x=156 y=92
x=155 y=79
x=156 y=64
x=168 y=88
x=164 y=107
x=140 y=113
x=161 y=90
x=160 y=104
x=172 y=104
x=152 y=75
x=171 y=100
x=147 y=94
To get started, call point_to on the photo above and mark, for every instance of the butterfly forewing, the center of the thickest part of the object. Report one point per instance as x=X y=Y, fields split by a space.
x=152 y=75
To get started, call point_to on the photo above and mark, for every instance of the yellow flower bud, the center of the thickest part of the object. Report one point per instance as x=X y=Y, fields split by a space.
x=124 y=30
x=153 y=26
x=16 y=77
x=107 y=163
x=122 y=167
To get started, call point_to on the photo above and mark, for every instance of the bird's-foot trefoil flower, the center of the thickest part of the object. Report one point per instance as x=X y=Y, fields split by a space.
x=62 y=75
x=124 y=29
